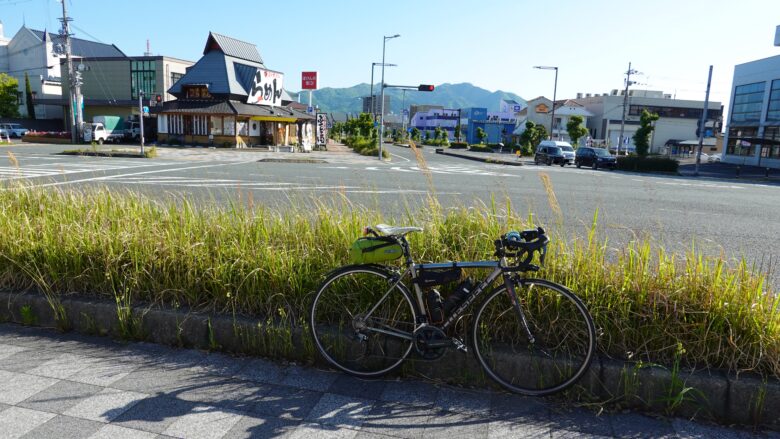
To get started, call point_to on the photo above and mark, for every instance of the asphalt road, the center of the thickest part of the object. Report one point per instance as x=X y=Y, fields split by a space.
x=726 y=217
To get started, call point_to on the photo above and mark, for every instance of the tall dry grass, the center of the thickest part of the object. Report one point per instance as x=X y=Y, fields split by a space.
x=267 y=263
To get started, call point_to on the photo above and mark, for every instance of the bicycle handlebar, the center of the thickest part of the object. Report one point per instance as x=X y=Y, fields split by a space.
x=523 y=245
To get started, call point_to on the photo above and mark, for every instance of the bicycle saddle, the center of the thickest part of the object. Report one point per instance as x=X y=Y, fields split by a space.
x=390 y=230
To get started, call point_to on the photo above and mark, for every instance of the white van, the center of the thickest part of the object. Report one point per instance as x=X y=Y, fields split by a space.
x=566 y=148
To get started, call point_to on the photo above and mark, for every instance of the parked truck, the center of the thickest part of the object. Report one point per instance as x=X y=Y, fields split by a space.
x=104 y=129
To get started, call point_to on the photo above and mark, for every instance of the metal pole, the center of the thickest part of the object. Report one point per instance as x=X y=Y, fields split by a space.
x=141 y=118
x=403 y=108
x=382 y=101
x=703 y=121
x=371 y=96
x=555 y=91
x=75 y=110
x=625 y=104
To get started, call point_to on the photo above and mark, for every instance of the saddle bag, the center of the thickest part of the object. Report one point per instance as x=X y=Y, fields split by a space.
x=374 y=250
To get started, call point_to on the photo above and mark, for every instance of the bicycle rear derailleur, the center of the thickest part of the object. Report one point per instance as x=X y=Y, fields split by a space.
x=430 y=342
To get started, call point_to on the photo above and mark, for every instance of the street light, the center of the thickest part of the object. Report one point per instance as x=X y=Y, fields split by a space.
x=373 y=104
x=555 y=91
x=382 y=98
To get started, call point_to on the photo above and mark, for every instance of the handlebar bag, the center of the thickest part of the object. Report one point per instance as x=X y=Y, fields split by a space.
x=374 y=250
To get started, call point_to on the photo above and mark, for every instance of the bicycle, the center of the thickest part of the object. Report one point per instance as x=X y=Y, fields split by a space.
x=532 y=336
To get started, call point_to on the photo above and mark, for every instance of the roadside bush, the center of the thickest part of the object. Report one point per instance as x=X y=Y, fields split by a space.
x=635 y=163
x=265 y=263
x=459 y=145
x=480 y=148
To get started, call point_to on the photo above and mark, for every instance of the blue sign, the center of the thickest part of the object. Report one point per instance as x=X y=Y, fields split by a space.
x=708 y=133
x=408 y=130
x=146 y=110
x=406 y=112
x=310 y=109
x=376 y=124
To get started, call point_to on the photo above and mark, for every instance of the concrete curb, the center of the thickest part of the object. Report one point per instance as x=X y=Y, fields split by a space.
x=714 y=395
x=479 y=159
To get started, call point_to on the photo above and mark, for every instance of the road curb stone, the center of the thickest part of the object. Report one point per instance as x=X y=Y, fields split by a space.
x=729 y=399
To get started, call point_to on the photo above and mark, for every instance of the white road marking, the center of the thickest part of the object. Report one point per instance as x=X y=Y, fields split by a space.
x=402 y=158
x=111 y=177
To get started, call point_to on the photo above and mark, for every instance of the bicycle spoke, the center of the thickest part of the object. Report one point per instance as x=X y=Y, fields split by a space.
x=541 y=348
x=351 y=339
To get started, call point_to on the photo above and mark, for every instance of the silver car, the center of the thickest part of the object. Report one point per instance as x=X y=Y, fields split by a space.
x=12 y=130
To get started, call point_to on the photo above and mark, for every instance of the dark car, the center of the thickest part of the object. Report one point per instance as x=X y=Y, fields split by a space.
x=595 y=158
x=550 y=155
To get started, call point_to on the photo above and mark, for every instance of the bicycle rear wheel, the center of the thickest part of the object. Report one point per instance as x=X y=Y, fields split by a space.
x=564 y=338
x=362 y=345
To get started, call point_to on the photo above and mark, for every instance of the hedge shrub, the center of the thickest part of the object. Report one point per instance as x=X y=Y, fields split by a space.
x=459 y=145
x=480 y=148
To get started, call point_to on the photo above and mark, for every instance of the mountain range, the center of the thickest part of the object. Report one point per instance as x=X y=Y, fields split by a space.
x=464 y=95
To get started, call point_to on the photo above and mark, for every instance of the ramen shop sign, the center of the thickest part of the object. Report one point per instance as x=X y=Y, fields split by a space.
x=267 y=88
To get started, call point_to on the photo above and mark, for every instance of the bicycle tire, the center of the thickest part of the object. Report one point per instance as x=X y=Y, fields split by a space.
x=355 y=289
x=564 y=345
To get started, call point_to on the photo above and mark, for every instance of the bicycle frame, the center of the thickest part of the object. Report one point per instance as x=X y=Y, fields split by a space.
x=499 y=268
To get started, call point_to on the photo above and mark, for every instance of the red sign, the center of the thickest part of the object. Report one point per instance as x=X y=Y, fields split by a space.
x=309 y=80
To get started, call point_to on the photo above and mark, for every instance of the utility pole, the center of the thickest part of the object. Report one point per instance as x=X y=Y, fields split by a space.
x=703 y=122
x=625 y=106
x=141 y=118
x=74 y=76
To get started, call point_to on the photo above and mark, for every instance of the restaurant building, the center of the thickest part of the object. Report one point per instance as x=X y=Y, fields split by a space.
x=230 y=99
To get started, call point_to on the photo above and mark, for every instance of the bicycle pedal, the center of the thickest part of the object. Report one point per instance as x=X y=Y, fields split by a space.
x=460 y=346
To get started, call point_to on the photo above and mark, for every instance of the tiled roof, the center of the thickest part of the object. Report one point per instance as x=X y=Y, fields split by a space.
x=84 y=48
x=233 y=47
x=230 y=107
x=198 y=106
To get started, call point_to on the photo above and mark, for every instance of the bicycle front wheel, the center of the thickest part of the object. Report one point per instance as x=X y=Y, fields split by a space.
x=361 y=323
x=544 y=355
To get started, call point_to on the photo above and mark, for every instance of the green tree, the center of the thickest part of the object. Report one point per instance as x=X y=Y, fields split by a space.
x=415 y=134
x=642 y=135
x=28 y=97
x=457 y=132
x=481 y=135
x=438 y=133
x=9 y=87
x=576 y=130
x=533 y=135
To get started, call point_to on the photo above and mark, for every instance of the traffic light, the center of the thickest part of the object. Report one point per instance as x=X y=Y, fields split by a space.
x=158 y=98
x=425 y=87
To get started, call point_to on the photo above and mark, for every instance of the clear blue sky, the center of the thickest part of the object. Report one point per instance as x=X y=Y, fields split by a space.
x=492 y=44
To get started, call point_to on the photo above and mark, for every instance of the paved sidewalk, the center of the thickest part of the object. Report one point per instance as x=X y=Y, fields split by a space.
x=56 y=385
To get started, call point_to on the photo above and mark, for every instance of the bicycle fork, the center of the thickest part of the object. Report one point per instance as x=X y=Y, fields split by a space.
x=509 y=282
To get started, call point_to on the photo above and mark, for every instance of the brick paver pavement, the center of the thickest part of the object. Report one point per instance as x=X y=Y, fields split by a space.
x=55 y=385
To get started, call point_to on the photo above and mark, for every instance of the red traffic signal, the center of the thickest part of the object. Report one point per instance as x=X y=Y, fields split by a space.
x=425 y=87
x=158 y=98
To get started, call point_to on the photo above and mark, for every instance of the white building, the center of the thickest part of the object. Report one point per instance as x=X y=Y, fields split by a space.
x=678 y=118
x=539 y=111
x=753 y=124
x=37 y=53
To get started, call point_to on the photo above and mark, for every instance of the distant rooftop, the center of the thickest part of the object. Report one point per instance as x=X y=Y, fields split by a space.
x=232 y=47
x=83 y=48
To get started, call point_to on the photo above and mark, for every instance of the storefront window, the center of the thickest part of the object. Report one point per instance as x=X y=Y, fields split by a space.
x=773 y=145
x=229 y=126
x=747 y=103
x=738 y=145
x=216 y=125
x=243 y=127
x=773 y=113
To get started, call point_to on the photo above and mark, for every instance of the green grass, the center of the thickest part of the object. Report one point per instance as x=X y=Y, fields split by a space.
x=649 y=305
